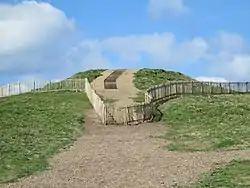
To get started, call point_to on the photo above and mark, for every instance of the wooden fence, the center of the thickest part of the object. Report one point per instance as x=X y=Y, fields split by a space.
x=136 y=114
x=129 y=115
x=42 y=86
x=97 y=103
x=65 y=85
x=170 y=89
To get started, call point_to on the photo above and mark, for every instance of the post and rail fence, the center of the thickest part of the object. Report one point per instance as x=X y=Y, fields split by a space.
x=170 y=89
x=131 y=114
x=42 y=86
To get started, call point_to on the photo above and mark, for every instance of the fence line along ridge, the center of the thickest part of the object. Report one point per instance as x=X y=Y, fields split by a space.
x=130 y=114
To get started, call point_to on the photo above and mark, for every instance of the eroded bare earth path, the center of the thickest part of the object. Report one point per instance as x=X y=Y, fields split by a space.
x=123 y=156
x=123 y=96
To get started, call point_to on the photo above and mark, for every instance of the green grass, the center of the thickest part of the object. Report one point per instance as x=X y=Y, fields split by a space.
x=90 y=74
x=234 y=175
x=196 y=123
x=34 y=127
x=145 y=78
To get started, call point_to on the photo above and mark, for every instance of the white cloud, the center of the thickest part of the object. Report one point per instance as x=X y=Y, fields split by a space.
x=225 y=42
x=228 y=56
x=160 y=8
x=223 y=54
x=230 y=42
x=86 y=55
x=29 y=36
x=236 y=68
x=160 y=49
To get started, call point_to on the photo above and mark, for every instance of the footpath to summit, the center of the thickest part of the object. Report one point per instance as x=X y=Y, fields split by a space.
x=125 y=92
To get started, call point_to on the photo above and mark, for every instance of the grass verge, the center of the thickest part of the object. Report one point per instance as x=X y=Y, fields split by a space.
x=235 y=174
x=145 y=78
x=197 y=123
x=34 y=127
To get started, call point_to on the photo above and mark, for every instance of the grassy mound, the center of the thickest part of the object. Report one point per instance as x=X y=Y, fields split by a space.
x=207 y=122
x=235 y=174
x=34 y=127
x=90 y=74
x=145 y=78
x=68 y=84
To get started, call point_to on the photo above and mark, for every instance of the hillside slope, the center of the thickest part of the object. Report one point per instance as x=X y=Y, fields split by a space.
x=91 y=75
x=34 y=126
x=145 y=78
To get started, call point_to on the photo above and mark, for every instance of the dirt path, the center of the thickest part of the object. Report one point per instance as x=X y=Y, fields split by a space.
x=123 y=96
x=123 y=156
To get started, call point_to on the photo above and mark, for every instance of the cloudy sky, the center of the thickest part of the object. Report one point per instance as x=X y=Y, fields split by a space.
x=53 y=39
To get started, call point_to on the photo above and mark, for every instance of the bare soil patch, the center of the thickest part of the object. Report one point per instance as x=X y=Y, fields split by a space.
x=123 y=96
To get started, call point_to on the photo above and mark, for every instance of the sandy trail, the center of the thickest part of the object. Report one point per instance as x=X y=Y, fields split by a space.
x=123 y=96
x=123 y=156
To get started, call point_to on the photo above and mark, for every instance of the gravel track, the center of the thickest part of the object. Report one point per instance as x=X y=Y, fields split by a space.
x=123 y=156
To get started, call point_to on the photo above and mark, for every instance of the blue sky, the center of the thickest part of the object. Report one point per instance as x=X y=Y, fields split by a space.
x=54 y=39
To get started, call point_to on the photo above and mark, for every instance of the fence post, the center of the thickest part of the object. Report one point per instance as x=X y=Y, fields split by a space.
x=60 y=85
x=157 y=91
x=162 y=91
x=176 y=90
x=105 y=115
x=19 y=87
x=85 y=83
x=210 y=87
x=34 y=85
x=182 y=88
x=202 y=88
x=170 y=88
x=192 y=87
x=165 y=90
x=8 y=90
x=154 y=92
